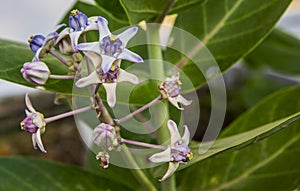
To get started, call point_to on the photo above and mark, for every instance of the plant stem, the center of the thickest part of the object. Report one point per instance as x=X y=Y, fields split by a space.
x=125 y=118
x=157 y=71
x=137 y=172
x=67 y=114
x=142 y=144
x=60 y=58
x=62 y=77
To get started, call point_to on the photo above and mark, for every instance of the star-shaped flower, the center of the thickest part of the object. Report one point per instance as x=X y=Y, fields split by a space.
x=41 y=45
x=108 y=79
x=78 y=24
x=111 y=45
x=177 y=152
x=170 y=89
x=34 y=124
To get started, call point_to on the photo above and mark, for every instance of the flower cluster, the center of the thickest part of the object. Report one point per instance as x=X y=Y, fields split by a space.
x=102 y=60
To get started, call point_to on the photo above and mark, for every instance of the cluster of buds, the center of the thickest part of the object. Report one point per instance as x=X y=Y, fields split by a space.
x=105 y=56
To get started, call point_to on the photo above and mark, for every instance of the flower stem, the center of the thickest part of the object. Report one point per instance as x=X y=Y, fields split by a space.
x=61 y=77
x=86 y=58
x=137 y=172
x=60 y=58
x=70 y=113
x=157 y=71
x=125 y=118
x=142 y=144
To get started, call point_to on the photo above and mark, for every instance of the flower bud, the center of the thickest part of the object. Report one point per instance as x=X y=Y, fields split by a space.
x=35 y=72
x=65 y=46
x=78 y=21
x=105 y=136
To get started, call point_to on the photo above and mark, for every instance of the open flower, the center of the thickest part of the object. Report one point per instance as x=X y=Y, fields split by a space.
x=35 y=72
x=41 y=45
x=177 y=152
x=34 y=124
x=78 y=24
x=108 y=79
x=170 y=89
x=111 y=45
x=105 y=136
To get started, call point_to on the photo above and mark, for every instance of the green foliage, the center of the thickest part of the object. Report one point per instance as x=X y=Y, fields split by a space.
x=33 y=174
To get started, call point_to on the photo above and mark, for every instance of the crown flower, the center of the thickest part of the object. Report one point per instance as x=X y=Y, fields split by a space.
x=35 y=72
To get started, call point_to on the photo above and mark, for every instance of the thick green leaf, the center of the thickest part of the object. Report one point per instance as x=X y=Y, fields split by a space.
x=115 y=7
x=263 y=162
x=229 y=29
x=33 y=174
x=138 y=10
x=279 y=50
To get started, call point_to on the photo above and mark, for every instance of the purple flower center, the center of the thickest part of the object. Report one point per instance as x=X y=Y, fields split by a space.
x=36 y=42
x=181 y=152
x=78 y=21
x=111 y=46
x=172 y=88
x=28 y=125
x=110 y=76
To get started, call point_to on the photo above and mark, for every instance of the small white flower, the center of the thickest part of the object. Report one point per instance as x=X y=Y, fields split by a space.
x=105 y=136
x=170 y=89
x=111 y=45
x=108 y=79
x=34 y=124
x=177 y=152
x=35 y=72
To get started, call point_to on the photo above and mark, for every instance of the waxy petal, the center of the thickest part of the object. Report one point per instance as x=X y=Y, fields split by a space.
x=103 y=28
x=74 y=36
x=130 y=56
x=39 y=141
x=172 y=168
x=127 y=77
x=174 y=133
x=174 y=102
x=107 y=62
x=183 y=101
x=62 y=34
x=127 y=35
x=28 y=104
x=110 y=93
x=95 y=58
x=88 y=80
x=186 y=135
x=164 y=156
x=91 y=46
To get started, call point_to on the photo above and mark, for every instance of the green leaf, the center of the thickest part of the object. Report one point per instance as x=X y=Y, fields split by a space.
x=229 y=29
x=115 y=7
x=33 y=174
x=262 y=165
x=138 y=10
x=279 y=50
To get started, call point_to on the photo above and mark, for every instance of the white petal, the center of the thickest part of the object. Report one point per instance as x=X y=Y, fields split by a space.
x=174 y=102
x=90 y=79
x=164 y=156
x=127 y=77
x=74 y=36
x=91 y=26
x=172 y=168
x=36 y=57
x=130 y=56
x=27 y=113
x=186 y=135
x=62 y=34
x=103 y=28
x=39 y=141
x=183 y=101
x=107 y=62
x=127 y=35
x=110 y=93
x=94 y=57
x=38 y=120
x=175 y=136
x=91 y=46
x=33 y=138
x=28 y=104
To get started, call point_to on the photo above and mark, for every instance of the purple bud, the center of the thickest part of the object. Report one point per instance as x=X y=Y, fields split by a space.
x=78 y=21
x=36 y=42
x=33 y=122
x=35 y=72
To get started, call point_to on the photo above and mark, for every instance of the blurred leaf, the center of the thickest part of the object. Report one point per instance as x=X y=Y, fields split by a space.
x=34 y=174
x=263 y=165
x=279 y=50
x=228 y=29
x=138 y=10
x=115 y=7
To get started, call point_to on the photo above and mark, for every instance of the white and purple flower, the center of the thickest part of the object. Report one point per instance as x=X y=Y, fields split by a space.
x=34 y=124
x=177 y=152
x=108 y=79
x=111 y=45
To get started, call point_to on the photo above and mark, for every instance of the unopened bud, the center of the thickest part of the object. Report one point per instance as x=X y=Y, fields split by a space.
x=35 y=72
